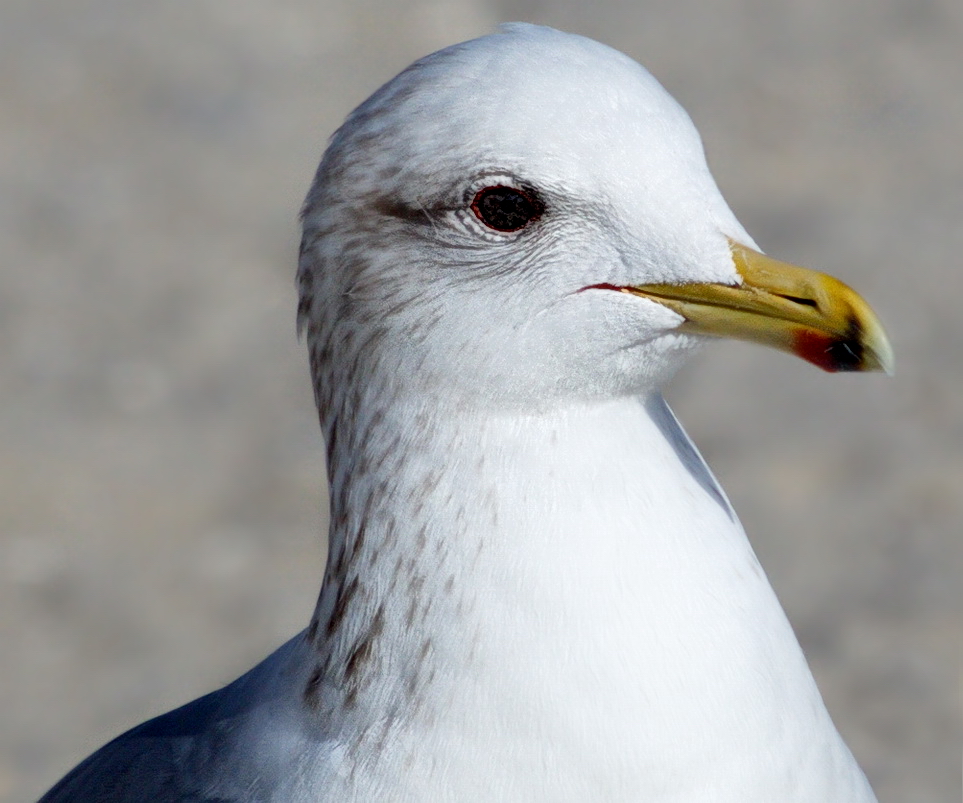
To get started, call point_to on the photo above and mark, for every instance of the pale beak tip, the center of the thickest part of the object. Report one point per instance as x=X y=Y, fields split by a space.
x=876 y=346
x=885 y=359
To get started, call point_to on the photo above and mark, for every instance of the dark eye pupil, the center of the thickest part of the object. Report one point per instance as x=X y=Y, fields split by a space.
x=506 y=208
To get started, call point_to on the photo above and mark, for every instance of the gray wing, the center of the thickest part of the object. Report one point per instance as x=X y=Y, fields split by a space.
x=688 y=454
x=220 y=748
x=153 y=762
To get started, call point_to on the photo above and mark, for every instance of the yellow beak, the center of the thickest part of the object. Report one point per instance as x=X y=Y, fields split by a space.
x=784 y=306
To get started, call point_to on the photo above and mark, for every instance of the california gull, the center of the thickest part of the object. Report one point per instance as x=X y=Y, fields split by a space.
x=536 y=590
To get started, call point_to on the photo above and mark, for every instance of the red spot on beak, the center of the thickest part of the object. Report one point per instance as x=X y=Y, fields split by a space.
x=829 y=353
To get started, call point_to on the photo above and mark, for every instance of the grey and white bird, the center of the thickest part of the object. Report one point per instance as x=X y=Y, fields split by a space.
x=536 y=590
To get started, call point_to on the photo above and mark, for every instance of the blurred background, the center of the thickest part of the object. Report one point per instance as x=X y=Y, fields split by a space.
x=161 y=475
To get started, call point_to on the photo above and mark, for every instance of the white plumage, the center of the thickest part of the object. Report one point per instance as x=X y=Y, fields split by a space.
x=536 y=590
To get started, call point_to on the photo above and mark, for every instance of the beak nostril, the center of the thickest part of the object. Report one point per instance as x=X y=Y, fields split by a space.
x=805 y=302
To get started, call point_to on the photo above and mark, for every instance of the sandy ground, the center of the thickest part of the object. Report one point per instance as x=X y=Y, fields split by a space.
x=160 y=467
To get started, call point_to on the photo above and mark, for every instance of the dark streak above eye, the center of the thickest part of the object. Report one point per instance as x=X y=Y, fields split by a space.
x=396 y=208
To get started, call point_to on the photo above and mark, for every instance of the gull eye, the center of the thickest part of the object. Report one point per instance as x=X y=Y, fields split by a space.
x=506 y=208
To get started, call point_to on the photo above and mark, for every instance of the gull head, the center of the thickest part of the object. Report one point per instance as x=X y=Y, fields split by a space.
x=527 y=219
